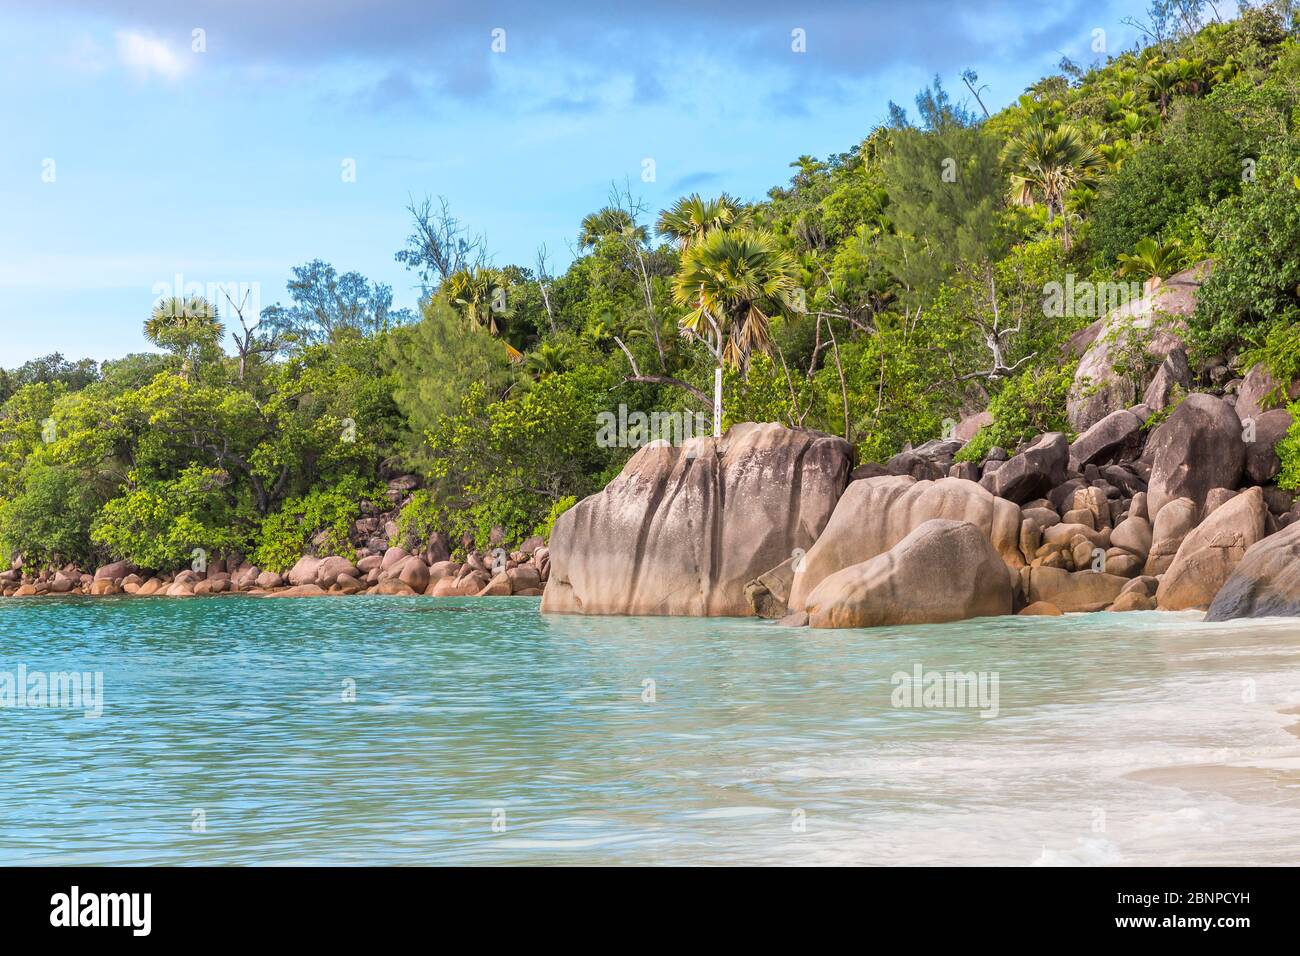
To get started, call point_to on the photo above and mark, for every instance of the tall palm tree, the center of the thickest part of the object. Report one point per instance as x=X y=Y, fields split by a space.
x=609 y=221
x=732 y=281
x=187 y=328
x=692 y=218
x=1046 y=163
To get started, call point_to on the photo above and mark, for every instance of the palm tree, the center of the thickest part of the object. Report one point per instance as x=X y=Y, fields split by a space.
x=1164 y=80
x=732 y=281
x=480 y=293
x=1046 y=163
x=610 y=221
x=808 y=166
x=549 y=358
x=185 y=327
x=1152 y=260
x=692 y=218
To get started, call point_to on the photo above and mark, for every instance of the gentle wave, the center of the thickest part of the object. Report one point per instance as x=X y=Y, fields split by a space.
x=482 y=732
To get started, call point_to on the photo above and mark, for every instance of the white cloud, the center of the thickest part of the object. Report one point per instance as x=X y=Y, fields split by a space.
x=145 y=55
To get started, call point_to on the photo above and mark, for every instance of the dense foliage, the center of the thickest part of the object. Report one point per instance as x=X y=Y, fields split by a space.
x=880 y=295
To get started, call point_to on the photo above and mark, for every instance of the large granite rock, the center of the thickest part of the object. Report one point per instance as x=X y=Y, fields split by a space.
x=1033 y=472
x=969 y=425
x=331 y=569
x=942 y=571
x=1104 y=442
x=1198 y=448
x=1176 y=520
x=1261 y=391
x=1102 y=383
x=115 y=571
x=682 y=530
x=1264 y=431
x=1133 y=534
x=1071 y=590
x=1172 y=379
x=305 y=571
x=1211 y=551
x=768 y=595
x=877 y=513
x=1265 y=582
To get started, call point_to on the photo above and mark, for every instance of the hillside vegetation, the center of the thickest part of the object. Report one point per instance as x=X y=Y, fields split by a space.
x=881 y=295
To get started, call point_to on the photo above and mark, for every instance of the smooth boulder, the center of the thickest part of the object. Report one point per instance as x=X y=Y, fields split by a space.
x=1198 y=448
x=1071 y=590
x=1103 y=381
x=683 y=529
x=1104 y=442
x=1032 y=472
x=1211 y=551
x=942 y=571
x=1263 y=433
x=1176 y=520
x=876 y=513
x=1265 y=582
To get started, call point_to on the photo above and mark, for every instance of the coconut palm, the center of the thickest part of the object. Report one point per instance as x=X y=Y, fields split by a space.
x=1046 y=163
x=1163 y=81
x=692 y=218
x=732 y=281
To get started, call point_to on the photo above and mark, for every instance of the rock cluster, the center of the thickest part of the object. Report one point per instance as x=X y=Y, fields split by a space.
x=1131 y=515
x=395 y=571
x=423 y=568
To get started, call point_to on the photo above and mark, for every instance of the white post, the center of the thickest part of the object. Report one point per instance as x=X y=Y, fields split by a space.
x=717 y=402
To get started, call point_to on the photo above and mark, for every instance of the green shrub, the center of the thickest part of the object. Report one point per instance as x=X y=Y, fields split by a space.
x=1197 y=163
x=48 y=523
x=160 y=524
x=419 y=519
x=1277 y=348
x=1256 y=278
x=286 y=535
x=1028 y=405
x=557 y=509
x=1288 y=451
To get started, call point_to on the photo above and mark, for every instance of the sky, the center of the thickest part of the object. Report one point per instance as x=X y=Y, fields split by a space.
x=148 y=145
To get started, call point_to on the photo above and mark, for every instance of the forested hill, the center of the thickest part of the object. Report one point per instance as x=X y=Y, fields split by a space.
x=881 y=294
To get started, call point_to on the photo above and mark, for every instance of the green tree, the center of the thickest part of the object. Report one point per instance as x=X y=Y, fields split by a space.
x=190 y=329
x=49 y=521
x=731 y=282
x=326 y=305
x=693 y=218
x=1046 y=163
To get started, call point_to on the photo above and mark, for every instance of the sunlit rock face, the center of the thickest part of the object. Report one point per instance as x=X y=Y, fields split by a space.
x=683 y=529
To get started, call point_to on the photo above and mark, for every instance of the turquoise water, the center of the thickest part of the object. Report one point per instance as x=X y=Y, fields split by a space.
x=758 y=744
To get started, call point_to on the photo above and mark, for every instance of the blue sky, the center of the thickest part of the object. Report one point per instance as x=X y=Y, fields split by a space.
x=225 y=165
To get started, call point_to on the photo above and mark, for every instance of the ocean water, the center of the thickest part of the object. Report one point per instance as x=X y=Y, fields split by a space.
x=484 y=733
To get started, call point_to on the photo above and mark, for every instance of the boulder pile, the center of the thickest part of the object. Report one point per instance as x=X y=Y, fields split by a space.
x=1134 y=514
x=376 y=566
x=395 y=572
